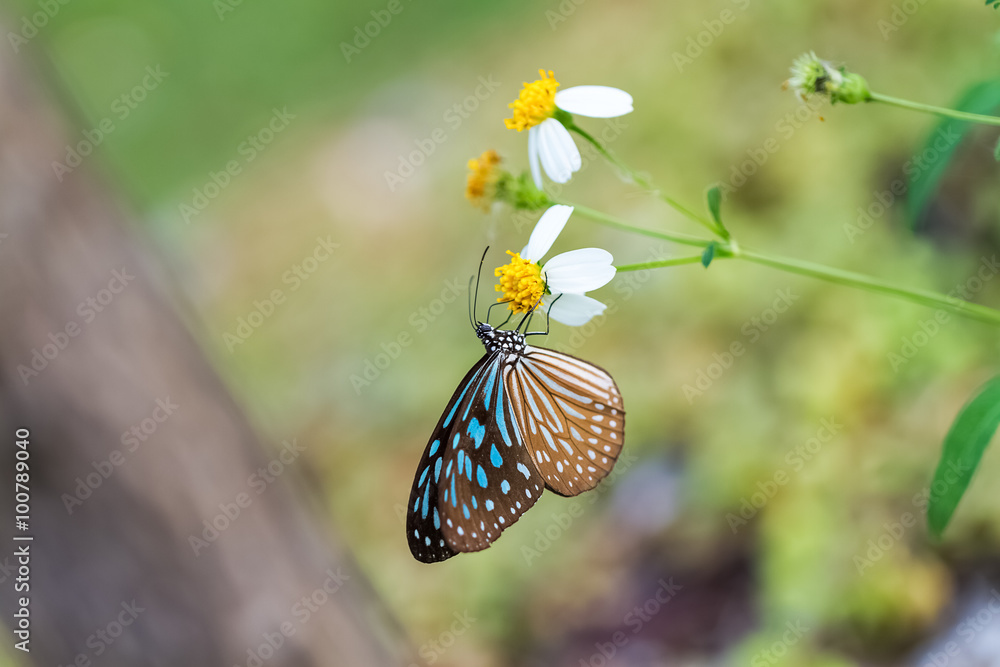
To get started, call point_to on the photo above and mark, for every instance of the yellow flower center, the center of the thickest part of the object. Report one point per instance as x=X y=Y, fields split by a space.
x=521 y=283
x=479 y=187
x=536 y=103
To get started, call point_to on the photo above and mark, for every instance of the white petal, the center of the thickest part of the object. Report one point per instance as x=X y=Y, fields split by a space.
x=579 y=271
x=575 y=309
x=536 y=173
x=560 y=156
x=545 y=232
x=594 y=101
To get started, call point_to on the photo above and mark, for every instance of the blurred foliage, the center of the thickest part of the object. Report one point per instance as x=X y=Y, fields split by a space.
x=963 y=449
x=391 y=302
x=981 y=98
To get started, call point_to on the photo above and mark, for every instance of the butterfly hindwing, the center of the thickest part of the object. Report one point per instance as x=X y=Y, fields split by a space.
x=475 y=477
x=571 y=416
x=423 y=521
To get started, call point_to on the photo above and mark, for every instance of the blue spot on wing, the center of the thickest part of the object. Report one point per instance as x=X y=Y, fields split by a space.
x=423 y=476
x=461 y=460
x=465 y=510
x=465 y=415
x=423 y=511
x=495 y=457
x=461 y=396
x=477 y=431
x=505 y=486
x=524 y=470
x=489 y=505
x=468 y=468
x=501 y=419
x=447 y=471
x=454 y=498
x=489 y=388
x=434 y=447
x=437 y=520
x=481 y=476
x=437 y=470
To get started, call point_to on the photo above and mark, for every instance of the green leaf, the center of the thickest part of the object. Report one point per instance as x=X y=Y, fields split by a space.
x=713 y=196
x=996 y=151
x=963 y=449
x=708 y=255
x=926 y=175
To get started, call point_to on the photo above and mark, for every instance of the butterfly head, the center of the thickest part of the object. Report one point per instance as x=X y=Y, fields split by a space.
x=500 y=340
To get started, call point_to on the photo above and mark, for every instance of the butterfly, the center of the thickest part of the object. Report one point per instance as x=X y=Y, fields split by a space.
x=524 y=419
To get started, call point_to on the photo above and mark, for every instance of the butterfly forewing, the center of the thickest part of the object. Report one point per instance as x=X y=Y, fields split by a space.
x=570 y=415
x=475 y=477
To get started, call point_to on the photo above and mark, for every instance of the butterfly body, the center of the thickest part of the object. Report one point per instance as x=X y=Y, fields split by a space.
x=523 y=419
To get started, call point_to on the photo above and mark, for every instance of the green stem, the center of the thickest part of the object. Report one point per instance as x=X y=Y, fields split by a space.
x=644 y=183
x=800 y=267
x=616 y=223
x=861 y=281
x=659 y=264
x=940 y=111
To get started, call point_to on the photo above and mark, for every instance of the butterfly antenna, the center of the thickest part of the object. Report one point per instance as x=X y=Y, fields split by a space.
x=472 y=320
x=475 y=303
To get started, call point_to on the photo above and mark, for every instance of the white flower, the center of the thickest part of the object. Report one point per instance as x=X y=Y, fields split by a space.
x=561 y=282
x=550 y=146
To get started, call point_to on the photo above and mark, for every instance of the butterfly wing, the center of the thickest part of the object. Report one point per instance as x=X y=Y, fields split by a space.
x=475 y=477
x=571 y=415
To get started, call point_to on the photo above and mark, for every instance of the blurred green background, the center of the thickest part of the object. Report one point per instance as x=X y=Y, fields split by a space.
x=404 y=251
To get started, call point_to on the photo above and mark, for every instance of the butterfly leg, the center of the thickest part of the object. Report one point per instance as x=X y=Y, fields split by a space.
x=490 y=310
x=547 y=320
